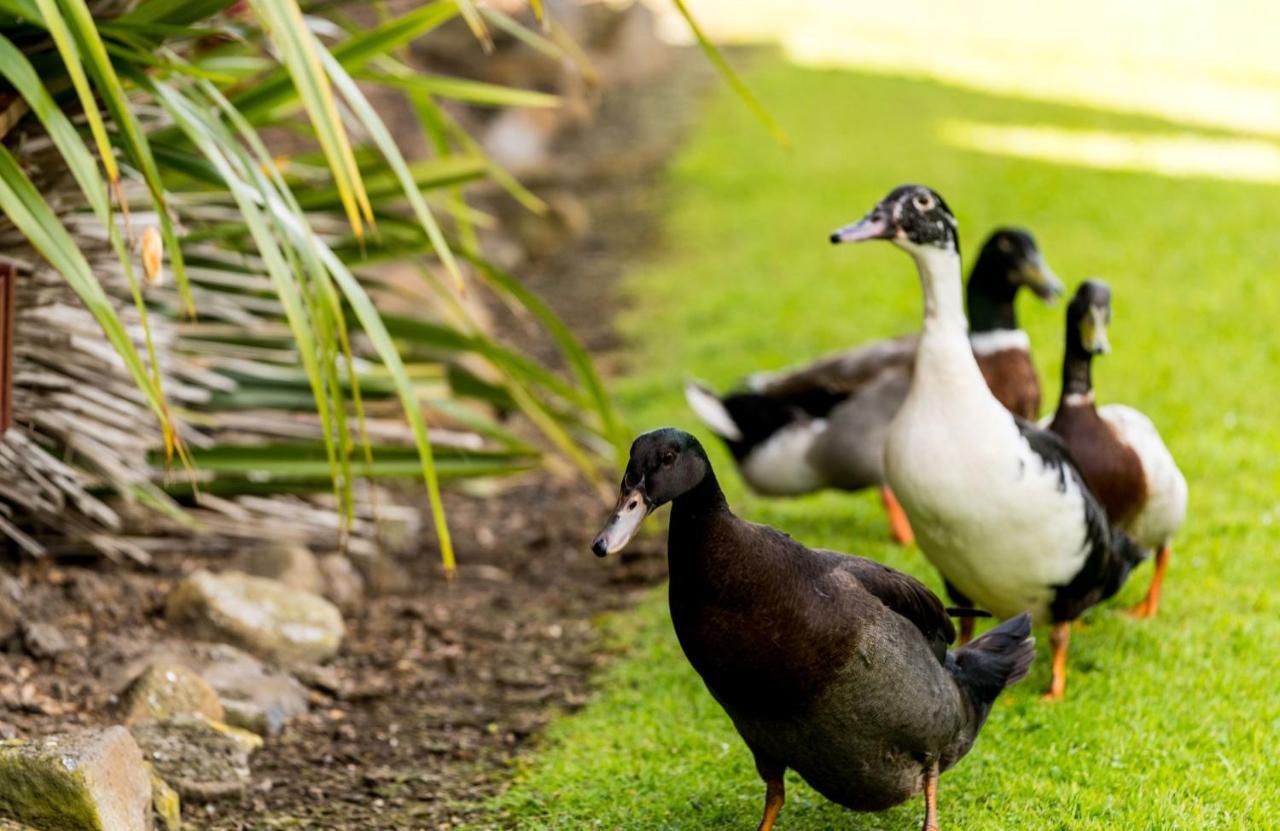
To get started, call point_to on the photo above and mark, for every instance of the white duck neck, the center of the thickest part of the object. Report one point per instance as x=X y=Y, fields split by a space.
x=943 y=287
x=944 y=362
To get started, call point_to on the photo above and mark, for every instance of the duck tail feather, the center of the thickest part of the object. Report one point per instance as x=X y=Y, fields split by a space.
x=708 y=407
x=998 y=659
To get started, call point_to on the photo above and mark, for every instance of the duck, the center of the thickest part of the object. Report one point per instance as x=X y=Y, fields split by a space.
x=998 y=504
x=1118 y=449
x=823 y=425
x=831 y=665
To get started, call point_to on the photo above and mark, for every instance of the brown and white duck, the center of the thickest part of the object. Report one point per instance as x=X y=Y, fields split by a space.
x=1118 y=449
x=823 y=425
x=997 y=503
x=834 y=666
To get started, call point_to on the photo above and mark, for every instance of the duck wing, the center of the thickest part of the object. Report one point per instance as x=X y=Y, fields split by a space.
x=840 y=374
x=1112 y=554
x=906 y=596
x=1165 y=505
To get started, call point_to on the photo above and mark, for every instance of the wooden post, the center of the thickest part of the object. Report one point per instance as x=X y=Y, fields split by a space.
x=8 y=277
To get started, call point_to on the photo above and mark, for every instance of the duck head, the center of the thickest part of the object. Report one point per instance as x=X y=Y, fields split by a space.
x=912 y=217
x=1088 y=316
x=664 y=465
x=1012 y=256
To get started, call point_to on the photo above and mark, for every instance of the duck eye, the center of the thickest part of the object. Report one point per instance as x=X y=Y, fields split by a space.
x=668 y=459
x=923 y=201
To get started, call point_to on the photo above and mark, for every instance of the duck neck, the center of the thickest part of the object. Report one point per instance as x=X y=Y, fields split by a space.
x=696 y=507
x=943 y=304
x=695 y=558
x=989 y=295
x=1077 y=371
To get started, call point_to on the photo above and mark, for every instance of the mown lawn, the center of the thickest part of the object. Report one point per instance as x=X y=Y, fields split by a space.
x=1169 y=724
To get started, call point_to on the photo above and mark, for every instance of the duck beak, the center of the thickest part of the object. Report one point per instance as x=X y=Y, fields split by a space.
x=1038 y=277
x=872 y=226
x=633 y=506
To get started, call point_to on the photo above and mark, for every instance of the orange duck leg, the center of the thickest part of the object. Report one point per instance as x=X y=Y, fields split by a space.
x=1151 y=603
x=899 y=525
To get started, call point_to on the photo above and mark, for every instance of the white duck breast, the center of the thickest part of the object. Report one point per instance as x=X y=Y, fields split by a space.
x=1154 y=526
x=1004 y=524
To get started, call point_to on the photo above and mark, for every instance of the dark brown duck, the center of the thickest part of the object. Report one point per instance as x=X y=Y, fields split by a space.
x=834 y=666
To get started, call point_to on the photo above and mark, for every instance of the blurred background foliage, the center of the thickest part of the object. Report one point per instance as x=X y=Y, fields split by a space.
x=290 y=301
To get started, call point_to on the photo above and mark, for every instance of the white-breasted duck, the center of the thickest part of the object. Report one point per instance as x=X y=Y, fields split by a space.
x=834 y=666
x=823 y=425
x=1118 y=449
x=998 y=504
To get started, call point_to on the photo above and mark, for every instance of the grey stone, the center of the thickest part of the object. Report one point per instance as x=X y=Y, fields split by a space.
x=204 y=761
x=291 y=563
x=252 y=695
x=381 y=573
x=10 y=616
x=343 y=583
x=43 y=640
x=261 y=616
x=93 y=780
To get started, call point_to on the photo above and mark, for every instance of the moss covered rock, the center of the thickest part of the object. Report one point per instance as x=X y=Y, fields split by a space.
x=261 y=616
x=166 y=806
x=94 y=780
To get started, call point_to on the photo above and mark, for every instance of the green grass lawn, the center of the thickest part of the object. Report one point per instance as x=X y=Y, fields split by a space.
x=1169 y=724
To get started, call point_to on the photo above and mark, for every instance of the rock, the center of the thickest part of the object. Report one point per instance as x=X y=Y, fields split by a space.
x=381 y=573
x=43 y=640
x=89 y=781
x=261 y=616
x=167 y=688
x=291 y=563
x=343 y=584
x=166 y=805
x=10 y=615
x=204 y=761
x=520 y=139
x=254 y=697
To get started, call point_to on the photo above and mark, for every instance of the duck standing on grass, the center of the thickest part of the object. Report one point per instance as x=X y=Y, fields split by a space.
x=823 y=425
x=997 y=504
x=1119 y=450
x=834 y=666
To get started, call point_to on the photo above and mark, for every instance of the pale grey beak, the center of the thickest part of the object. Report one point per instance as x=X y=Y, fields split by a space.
x=1037 y=276
x=628 y=514
x=872 y=226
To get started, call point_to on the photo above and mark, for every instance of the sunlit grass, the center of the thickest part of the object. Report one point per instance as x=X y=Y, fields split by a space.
x=1205 y=63
x=1167 y=154
x=1168 y=724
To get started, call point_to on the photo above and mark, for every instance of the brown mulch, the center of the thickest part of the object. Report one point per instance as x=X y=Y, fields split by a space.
x=439 y=684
